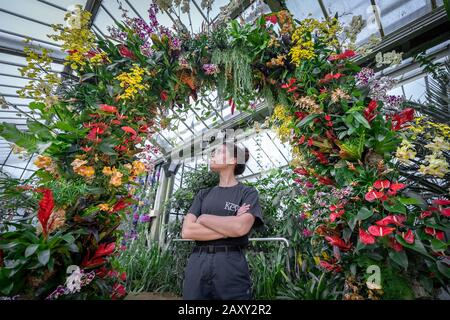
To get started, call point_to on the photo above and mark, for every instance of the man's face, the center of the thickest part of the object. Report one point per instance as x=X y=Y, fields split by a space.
x=221 y=159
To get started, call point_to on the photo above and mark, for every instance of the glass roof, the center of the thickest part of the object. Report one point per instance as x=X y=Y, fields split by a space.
x=32 y=18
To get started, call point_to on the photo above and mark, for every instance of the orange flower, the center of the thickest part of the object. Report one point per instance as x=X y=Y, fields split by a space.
x=116 y=179
x=138 y=167
x=107 y=171
x=103 y=207
x=86 y=171
x=43 y=162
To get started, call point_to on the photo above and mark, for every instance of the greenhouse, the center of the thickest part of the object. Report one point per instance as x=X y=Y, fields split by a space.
x=224 y=150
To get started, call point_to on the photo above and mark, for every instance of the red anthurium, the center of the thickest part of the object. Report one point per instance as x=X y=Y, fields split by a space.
x=366 y=237
x=116 y=122
x=436 y=233
x=409 y=237
x=445 y=212
x=336 y=214
x=396 y=187
x=381 y=184
x=441 y=202
x=379 y=231
x=46 y=206
x=107 y=108
x=271 y=18
x=123 y=276
x=329 y=77
x=310 y=142
x=126 y=53
x=392 y=219
x=426 y=214
x=395 y=245
x=373 y=195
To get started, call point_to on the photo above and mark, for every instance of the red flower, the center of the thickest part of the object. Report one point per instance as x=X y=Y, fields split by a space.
x=232 y=104
x=71 y=51
x=126 y=53
x=379 y=231
x=438 y=234
x=336 y=215
x=163 y=95
x=120 y=205
x=300 y=115
x=46 y=206
x=86 y=149
x=129 y=130
x=441 y=202
x=143 y=128
x=289 y=84
x=445 y=212
x=346 y=54
x=329 y=77
x=396 y=187
x=373 y=195
x=320 y=156
x=338 y=242
x=120 y=148
x=118 y=291
x=395 y=245
x=330 y=267
x=98 y=258
x=327 y=117
x=426 y=214
x=369 y=112
x=403 y=117
x=409 y=237
x=301 y=140
x=123 y=276
x=326 y=181
x=301 y=171
x=116 y=122
x=381 y=184
x=392 y=219
x=107 y=108
x=366 y=237
x=271 y=18
x=310 y=142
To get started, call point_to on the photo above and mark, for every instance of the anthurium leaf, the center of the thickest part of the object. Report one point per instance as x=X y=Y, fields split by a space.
x=399 y=257
x=438 y=245
x=443 y=268
x=416 y=246
x=395 y=207
x=364 y=213
x=30 y=250
x=44 y=256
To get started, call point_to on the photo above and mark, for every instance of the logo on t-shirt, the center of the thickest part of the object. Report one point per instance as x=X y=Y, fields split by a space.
x=231 y=206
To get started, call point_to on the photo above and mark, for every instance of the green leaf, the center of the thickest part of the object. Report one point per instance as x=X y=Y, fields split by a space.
x=364 y=213
x=416 y=246
x=39 y=130
x=438 y=245
x=44 y=256
x=7 y=246
x=407 y=201
x=107 y=149
x=307 y=119
x=30 y=250
x=443 y=268
x=68 y=238
x=396 y=207
x=399 y=257
x=360 y=118
x=25 y=140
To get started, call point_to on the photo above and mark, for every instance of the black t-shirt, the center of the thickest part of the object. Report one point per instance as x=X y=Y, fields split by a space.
x=225 y=201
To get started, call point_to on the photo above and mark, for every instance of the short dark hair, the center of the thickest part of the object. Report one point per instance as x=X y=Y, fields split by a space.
x=240 y=154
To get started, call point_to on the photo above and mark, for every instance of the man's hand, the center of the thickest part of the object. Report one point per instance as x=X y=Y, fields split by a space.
x=243 y=209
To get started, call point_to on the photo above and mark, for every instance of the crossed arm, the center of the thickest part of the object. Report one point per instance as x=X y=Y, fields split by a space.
x=212 y=227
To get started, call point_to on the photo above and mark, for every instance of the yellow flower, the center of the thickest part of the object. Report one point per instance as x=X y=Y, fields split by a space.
x=437 y=165
x=103 y=207
x=405 y=152
x=107 y=171
x=86 y=171
x=138 y=167
x=131 y=82
x=43 y=162
x=116 y=179
x=438 y=144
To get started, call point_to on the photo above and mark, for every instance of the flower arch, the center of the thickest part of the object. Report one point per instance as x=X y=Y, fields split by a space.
x=91 y=145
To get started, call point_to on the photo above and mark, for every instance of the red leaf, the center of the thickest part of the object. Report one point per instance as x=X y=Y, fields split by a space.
x=338 y=242
x=366 y=237
x=379 y=231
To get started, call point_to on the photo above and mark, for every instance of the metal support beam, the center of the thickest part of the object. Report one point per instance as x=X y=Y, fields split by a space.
x=160 y=198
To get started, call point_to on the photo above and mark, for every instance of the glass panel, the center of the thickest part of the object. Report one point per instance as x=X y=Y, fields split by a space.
x=396 y=13
x=304 y=9
x=415 y=90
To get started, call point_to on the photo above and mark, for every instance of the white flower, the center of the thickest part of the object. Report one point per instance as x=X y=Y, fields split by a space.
x=73 y=282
